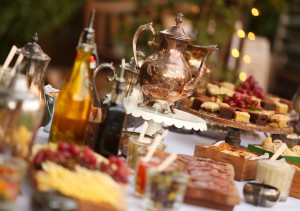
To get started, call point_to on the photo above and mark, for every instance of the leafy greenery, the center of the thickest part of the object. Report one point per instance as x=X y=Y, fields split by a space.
x=20 y=19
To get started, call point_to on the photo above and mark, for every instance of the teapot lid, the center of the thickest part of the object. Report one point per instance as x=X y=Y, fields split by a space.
x=32 y=50
x=177 y=31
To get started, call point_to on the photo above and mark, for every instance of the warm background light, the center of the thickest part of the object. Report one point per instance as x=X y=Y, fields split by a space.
x=243 y=76
x=251 y=36
x=235 y=53
x=255 y=12
x=247 y=59
x=195 y=9
x=241 y=33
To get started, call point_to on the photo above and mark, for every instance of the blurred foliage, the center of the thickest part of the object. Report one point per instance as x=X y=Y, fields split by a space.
x=20 y=19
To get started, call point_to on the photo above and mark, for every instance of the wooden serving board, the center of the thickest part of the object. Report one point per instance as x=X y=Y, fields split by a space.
x=213 y=117
x=244 y=169
x=295 y=189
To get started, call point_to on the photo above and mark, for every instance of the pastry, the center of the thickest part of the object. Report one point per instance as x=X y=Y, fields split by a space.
x=296 y=149
x=274 y=98
x=226 y=112
x=278 y=120
x=210 y=106
x=289 y=152
x=277 y=141
x=266 y=141
x=281 y=108
x=226 y=91
x=196 y=102
x=191 y=101
x=228 y=85
x=268 y=113
x=268 y=105
x=214 y=90
x=241 y=116
x=288 y=102
x=258 y=118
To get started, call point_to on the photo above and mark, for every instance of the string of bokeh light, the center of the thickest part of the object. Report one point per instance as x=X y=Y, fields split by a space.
x=242 y=34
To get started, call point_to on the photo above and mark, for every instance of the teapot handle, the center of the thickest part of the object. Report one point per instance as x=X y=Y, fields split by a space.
x=142 y=28
x=109 y=78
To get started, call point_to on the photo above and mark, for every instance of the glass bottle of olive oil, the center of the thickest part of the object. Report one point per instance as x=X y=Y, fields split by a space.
x=74 y=101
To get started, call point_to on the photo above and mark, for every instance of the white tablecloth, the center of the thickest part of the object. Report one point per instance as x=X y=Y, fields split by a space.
x=177 y=143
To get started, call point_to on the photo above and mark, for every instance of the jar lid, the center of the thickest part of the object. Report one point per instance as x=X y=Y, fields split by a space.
x=176 y=31
x=33 y=51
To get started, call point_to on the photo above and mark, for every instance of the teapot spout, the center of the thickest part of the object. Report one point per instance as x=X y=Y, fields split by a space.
x=196 y=57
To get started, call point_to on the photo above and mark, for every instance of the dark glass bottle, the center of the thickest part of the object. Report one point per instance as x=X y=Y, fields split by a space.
x=110 y=130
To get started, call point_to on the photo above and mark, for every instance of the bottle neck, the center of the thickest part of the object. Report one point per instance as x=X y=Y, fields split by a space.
x=117 y=98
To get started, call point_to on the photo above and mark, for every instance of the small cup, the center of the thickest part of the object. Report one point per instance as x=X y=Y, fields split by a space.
x=12 y=174
x=136 y=149
x=141 y=171
x=260 y=194
x=277 y=173
x=164 y=190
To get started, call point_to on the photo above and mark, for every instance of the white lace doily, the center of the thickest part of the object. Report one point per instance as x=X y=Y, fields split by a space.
x=179 y=119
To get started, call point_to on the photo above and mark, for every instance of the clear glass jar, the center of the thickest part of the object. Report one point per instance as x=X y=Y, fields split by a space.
x=276 y=173
x=164 y=190
x=138 y=149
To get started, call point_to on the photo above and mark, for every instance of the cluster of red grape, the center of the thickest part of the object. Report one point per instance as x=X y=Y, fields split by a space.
x=67 y=155
x=70 y=155
x=116 y=168
x=251 y=87
x=242 y=101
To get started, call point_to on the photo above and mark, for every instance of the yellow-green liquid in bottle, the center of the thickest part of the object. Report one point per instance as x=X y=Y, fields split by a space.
x=74 y=102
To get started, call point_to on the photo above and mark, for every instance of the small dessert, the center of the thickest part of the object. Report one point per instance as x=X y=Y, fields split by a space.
x=210 y=106
x=281 y=108
x=198 y=101
x=278 y=120
x=268 y=105
x=273 y=145
x=213 y=90
x=296 y=149
x=228 y=85
x=268 y=113
x=226 y=112
x=241 y=116
x=288 y=102
x=226 y=91
x=228 y=149
x=191 y=101
x=258 y=118
x=274 y=98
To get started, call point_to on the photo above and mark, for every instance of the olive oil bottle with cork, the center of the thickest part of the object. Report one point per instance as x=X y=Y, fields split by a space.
x=113 y=118
x=74 y=101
